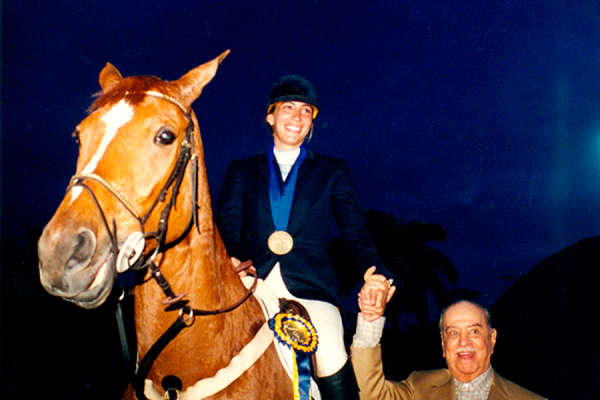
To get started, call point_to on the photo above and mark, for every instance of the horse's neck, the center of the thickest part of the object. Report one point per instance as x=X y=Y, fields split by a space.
x=198 y=266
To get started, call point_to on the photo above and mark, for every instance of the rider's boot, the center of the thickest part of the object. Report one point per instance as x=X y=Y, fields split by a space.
x=339 y=386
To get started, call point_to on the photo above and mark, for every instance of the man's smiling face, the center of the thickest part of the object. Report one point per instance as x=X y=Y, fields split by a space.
x=467 y=341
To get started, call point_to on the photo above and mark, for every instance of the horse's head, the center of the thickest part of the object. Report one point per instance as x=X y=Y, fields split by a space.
x=135 y=151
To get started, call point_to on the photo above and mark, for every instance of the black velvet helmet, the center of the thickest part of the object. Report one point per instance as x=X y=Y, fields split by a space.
x=293 y=88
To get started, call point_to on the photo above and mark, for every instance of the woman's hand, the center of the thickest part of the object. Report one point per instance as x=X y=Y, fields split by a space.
x=374 y=295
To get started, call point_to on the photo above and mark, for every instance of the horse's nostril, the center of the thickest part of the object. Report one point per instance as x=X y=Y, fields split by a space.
x=83 y=249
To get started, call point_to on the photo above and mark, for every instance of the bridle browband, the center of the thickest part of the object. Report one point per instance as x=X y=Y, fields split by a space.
x=172 y=301
x=186 y=152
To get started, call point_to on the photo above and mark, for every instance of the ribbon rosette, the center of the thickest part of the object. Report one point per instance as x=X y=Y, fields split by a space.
x=299 y=335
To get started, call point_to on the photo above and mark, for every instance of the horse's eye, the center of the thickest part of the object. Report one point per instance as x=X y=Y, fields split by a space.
x=165 y=137
x=75 y=135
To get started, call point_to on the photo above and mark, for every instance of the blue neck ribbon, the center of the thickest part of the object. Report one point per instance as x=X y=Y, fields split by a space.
x=281 y=200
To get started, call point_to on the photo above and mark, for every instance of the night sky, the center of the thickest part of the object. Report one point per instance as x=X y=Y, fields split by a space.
x=481 y=116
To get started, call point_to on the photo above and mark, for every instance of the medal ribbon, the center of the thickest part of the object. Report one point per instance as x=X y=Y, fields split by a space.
x=281 y=202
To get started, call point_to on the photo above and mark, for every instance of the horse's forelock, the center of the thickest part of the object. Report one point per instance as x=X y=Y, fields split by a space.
x=134 y=88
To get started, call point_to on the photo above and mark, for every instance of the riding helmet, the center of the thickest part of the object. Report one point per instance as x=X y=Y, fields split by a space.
x=293 y=88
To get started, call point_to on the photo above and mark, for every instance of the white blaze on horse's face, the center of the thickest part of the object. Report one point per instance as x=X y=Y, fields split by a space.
x=115 y=118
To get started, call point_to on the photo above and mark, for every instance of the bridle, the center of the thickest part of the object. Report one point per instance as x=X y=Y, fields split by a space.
x=186 y=153
x=173 y=184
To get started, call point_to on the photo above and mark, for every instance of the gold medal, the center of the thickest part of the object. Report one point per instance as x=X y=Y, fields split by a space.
x=280 y=242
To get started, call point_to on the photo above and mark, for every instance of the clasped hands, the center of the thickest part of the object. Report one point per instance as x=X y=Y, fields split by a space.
x=374 y=295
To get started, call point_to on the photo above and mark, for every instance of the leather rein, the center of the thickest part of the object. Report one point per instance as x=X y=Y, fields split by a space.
x=173 y=301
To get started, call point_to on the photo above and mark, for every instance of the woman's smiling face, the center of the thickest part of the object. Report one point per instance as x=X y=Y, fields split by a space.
x=291 y=122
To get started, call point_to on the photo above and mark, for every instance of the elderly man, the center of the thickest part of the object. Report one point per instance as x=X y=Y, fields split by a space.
x=468 y=341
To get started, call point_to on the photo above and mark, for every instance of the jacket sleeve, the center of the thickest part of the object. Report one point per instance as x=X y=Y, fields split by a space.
x=372 y=384
x=350 y=219
x=230 y=209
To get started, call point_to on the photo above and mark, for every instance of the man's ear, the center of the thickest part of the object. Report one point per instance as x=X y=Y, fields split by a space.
x=443 y=348
x=493 y=339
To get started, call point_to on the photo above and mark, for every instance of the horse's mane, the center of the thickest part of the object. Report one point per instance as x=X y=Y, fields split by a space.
x=133 y=87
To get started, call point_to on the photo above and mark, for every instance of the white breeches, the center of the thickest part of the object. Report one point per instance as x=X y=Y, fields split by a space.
x=331 y=353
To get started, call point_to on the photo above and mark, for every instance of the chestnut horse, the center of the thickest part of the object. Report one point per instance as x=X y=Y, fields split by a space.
x=141 y=174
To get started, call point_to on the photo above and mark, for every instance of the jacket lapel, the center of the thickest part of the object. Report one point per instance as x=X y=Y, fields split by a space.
x=444 y=390
x=497 y=391
x=307 y=165
x=304 y=177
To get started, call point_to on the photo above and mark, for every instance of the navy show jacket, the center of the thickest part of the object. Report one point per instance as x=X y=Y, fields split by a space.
x=324 y=190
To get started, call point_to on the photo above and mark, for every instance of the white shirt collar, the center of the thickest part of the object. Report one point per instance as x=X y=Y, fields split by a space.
x=286 y=157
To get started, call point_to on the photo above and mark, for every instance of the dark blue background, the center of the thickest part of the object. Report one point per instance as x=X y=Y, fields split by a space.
x=479 y=116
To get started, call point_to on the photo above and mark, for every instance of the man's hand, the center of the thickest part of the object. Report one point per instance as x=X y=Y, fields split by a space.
x=374 y=295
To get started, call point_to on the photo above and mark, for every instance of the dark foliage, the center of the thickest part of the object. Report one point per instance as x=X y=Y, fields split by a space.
x=405 y=252
x=548 y=325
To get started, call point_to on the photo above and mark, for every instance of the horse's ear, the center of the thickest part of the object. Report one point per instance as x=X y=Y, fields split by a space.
x=109 y=77
x=191 y=84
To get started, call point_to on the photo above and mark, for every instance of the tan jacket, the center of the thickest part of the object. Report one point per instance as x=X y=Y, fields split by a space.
x=420 y=385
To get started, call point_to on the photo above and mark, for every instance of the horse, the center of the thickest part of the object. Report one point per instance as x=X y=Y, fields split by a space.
x=140 y=200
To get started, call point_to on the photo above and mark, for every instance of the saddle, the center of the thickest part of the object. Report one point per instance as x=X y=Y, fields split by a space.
x=272 y=305
x=289 y=306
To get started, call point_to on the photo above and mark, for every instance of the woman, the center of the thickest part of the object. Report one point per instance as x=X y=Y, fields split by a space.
x=276 y=209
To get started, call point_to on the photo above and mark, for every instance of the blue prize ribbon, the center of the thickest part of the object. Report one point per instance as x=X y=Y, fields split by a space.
x=281 y=201
x=303 y=365
x=301 y=349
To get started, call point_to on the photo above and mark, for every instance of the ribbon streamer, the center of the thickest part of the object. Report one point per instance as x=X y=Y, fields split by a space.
x=300 y=336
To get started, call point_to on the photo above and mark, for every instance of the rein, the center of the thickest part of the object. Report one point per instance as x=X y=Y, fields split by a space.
x=172 y=301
